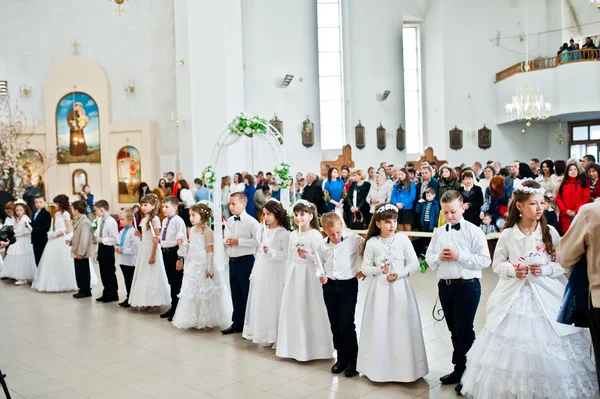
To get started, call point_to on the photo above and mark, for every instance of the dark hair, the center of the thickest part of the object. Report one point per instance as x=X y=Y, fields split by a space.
x=42 y=196
x=240 y=197
x=102 y=204
x=581 y=178
x=452 y=177
x=250 y=179
x=594 y=166
x=525 y=171
x=281 y=215
x=497 y=187
x=312 y=209
x=171 y=199
x=62 y=201
x=514 y=215
x=430 y=191
x=374 y=230
x=183 y=184
x=265 y=187
x=535 y=160
x=410 y=165
x=162 y=180
x=239 y=176
x=590 y=158
x=329 y=172
x=80 y=206
x=170 y=174
x=504 y=172
x=560 y=167
x=203 y=210
x=406 y=180
x=198 y=181
x=549 y=164
x=269 y=174
x=151 y=199
x=26 y=210
x=491 y=168
x=478 y=164
x=467 y=173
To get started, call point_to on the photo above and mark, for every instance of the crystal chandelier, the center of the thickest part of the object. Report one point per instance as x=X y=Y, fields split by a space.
x=529 y=102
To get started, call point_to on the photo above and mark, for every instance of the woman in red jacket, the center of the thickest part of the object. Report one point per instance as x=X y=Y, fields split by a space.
x=573 y=192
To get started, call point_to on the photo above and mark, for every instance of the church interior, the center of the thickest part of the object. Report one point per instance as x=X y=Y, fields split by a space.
x=110 y=94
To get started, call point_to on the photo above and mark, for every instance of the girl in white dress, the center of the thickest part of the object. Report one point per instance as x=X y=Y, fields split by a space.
x=20 y=263
x=9 y=208
x=204 y=301
x=391 y=346
x=150 y=287
x=303 y=333
x=268 y=276
x=522 y=352
x=55 y=273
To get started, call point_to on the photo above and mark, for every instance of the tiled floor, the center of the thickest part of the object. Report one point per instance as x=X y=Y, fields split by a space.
x=55 y=347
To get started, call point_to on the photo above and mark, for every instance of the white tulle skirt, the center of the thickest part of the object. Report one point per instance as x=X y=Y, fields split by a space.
x=264 y=301
x=203 y=302
x=19 y=263
x=526 y=359
x=150 y=286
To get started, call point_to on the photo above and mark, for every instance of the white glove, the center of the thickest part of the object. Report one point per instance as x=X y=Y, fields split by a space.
x=546 y=270
x=402 y=274
x=271 y=253
x=210 y=266
x=51 y=235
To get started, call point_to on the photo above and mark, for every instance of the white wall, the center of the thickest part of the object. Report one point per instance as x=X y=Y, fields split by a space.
x=138 y=45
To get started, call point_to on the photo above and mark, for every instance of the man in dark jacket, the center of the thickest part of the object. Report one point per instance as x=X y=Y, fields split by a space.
x=40 y=225
x=313 y=192
x=30 y=193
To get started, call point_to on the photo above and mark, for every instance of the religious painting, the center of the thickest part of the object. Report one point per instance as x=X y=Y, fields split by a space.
x=308 y=133
x=456 y=138
x=79 y=179
x=77 y=129
x=129 y=172
x=277 y=124
x=400 y=139
x=359 y=132
x=30 y=165
x=381 y=139
x=484 y=138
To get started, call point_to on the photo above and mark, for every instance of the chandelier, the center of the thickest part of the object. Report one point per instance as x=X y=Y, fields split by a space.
x=529 y=102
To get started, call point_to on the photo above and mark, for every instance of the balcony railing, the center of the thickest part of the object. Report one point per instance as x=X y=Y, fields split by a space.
x=584 y=55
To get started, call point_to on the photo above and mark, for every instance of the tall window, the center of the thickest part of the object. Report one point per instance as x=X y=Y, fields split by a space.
x=584 y=139
x=412 y=89
x=331 y=93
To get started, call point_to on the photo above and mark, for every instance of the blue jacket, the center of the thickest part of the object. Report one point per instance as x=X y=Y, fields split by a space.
x=434 y=184
x=434 y=213
x=405 y=197
x=250 y=207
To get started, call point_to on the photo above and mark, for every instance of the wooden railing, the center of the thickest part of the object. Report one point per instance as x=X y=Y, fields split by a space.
x=550 y=62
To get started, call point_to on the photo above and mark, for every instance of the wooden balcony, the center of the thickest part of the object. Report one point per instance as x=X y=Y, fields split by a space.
x=585 y=55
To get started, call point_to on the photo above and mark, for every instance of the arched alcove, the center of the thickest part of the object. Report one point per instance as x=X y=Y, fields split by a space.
x=129 y=173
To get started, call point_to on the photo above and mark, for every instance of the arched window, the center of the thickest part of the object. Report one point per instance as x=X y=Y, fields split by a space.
x=79 y=179
x=129 y=172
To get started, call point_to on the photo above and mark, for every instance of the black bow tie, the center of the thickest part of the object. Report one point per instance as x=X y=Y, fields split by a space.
x=453 y=226
x=237 y=218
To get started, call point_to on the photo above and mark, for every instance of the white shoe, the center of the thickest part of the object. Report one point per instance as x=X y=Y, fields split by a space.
x=21 y=282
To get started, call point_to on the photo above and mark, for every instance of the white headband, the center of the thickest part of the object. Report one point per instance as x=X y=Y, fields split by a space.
x=275 y=200
x=304 y=202
x=20 y=202
x=387 y=207
x=529 y=190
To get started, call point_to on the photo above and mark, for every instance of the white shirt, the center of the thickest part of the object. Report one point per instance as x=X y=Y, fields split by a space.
x=472 y=248
x=340 y=262
x=396 y=251
x=245 y=230
x=129 y=250
x=237 y=187
x=175 y=229
x=383 y=194
x=110 y=232
x=187 y=198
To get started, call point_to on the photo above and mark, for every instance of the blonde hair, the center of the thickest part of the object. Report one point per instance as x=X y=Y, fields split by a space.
x=128 y=213
x=360 y=173
x=330 y=219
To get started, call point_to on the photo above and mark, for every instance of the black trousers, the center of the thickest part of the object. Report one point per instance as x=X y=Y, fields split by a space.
x=340 y=300
x=240 y=269
x=174 y=276
x=459 y=302
x=38 y=249
x=108 y=271
x=82 y=275
x=128 y=277
x=594 y=318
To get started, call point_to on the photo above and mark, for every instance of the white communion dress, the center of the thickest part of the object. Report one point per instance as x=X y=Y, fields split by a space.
x=56 y=271
x=304 y=332
x=20 y=262
x=522 y=352
x=266 y=286
x=391 y=346
x=150 y=286
x=203 y=302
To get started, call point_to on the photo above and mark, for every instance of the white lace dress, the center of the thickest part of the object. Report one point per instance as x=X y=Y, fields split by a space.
x=56 y=271
x=150 y=286
x=20 y=262
x=391 y=346
x=203 y=302
x=266 y=287
x=522 y=352
x=304 y=331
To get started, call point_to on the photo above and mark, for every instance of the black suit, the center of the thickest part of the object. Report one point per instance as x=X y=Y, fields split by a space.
x=40 y=225
x=29 y=197
x=314 y=193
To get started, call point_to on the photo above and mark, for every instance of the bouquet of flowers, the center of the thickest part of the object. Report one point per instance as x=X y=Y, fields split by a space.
x=209 y=177
x=344 y=193
x=248 y=125
x=282 y=175
x=532 y=258
x=382 y=261
x=326 y=195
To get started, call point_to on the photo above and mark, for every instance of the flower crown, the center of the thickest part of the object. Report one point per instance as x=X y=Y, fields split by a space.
x=530 y=190
x=387 y=207
x=20 y=202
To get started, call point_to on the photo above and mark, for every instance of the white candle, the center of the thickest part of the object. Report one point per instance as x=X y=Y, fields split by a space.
x=134 y=222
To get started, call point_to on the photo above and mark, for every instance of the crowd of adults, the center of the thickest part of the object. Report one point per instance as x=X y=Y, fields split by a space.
x=570 y=52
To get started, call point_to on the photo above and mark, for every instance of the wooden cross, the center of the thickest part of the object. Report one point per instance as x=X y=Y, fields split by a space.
x=75 y=47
